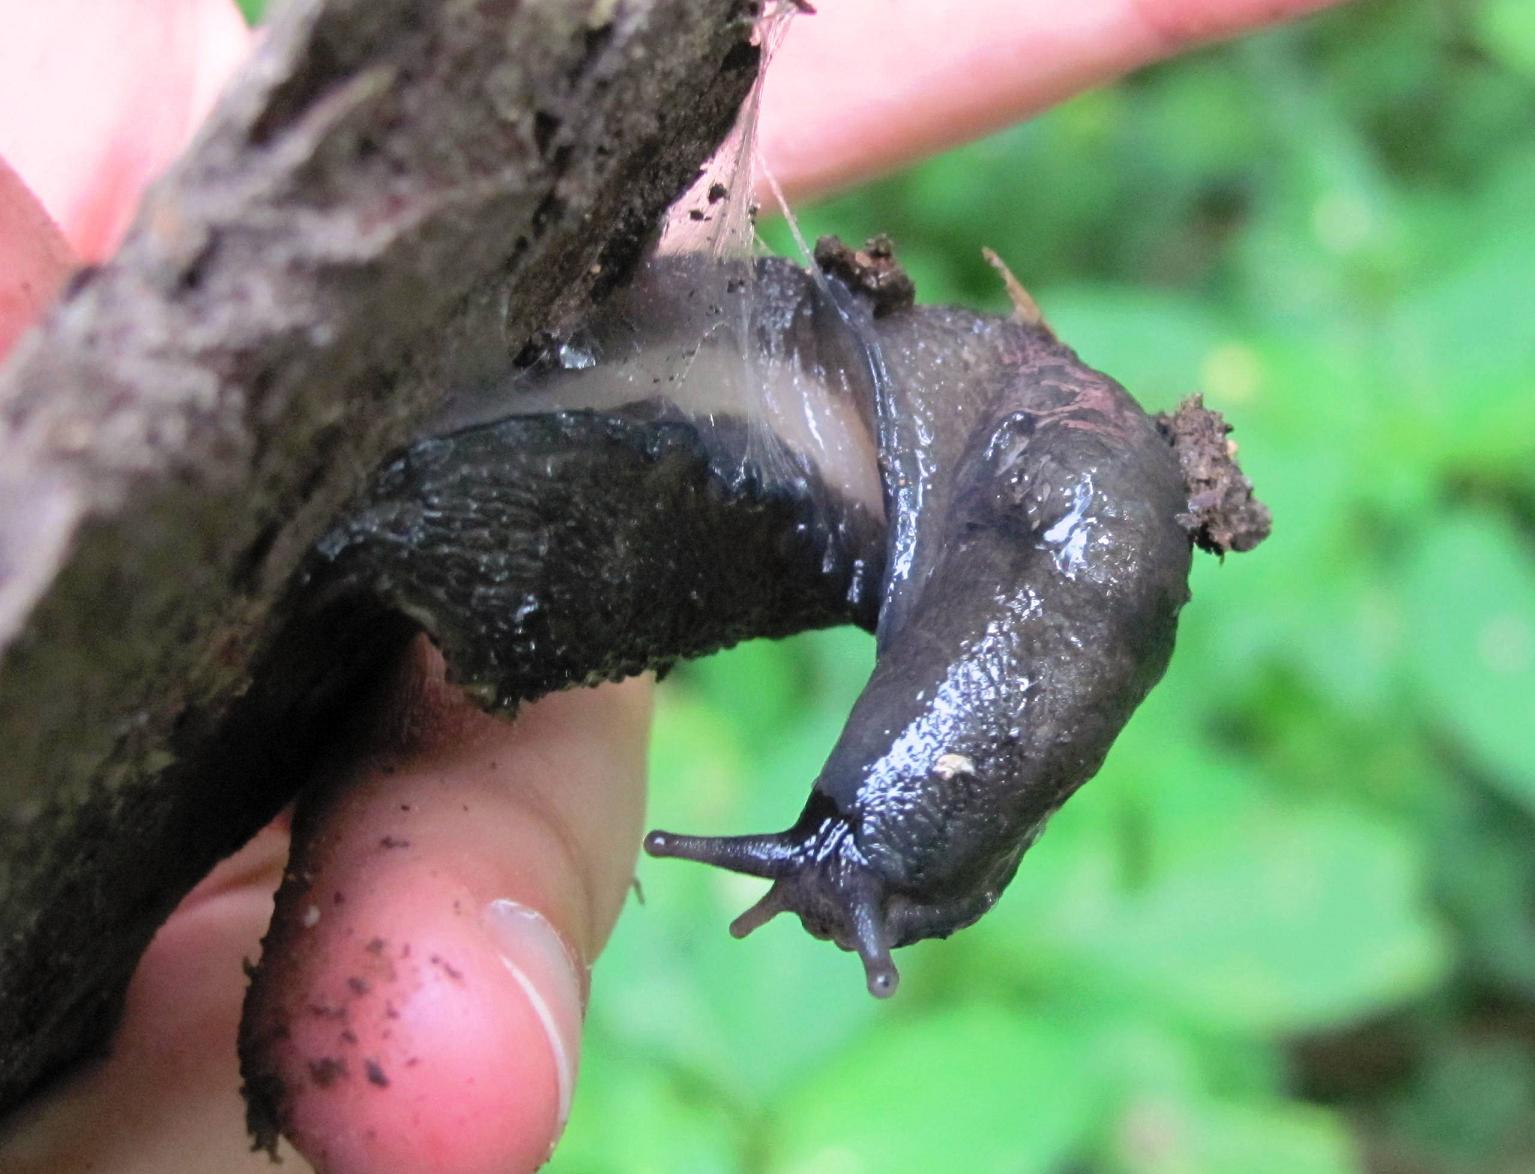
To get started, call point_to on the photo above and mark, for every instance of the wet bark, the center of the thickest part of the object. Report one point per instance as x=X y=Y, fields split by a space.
x=393 y=197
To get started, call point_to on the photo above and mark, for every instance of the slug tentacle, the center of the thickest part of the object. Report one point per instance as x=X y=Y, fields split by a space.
x=765 y=856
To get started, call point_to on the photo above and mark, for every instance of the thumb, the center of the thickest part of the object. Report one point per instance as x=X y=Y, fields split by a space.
x=34 y=257
x=419 y=1001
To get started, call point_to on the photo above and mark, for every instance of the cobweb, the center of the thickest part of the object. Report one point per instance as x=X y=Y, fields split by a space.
x=706 y=331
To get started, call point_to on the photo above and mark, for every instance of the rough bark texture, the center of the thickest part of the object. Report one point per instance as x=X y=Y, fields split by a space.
x=395 y=196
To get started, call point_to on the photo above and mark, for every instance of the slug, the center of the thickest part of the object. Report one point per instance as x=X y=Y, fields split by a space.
x=733 y=450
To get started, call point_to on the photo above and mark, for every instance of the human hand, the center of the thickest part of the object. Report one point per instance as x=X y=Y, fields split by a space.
x=432 y=815
x=867 y=85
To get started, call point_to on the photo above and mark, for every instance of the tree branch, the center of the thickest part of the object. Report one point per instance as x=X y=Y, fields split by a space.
x=393 y=197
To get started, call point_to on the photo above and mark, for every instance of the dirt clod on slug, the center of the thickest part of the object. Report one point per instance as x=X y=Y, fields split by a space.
x=1223 y=514
x=872 y=270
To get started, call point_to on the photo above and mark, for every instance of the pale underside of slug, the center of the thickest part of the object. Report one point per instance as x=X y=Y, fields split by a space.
x=726 y=454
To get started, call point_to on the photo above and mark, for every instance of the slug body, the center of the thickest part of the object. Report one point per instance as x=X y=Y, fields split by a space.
x=719 y=458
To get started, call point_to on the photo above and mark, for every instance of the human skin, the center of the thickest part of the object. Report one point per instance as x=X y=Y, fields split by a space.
x=522 y=889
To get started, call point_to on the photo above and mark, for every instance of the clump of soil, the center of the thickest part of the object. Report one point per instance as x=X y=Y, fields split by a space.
x=1223 y=514
x=871 y=270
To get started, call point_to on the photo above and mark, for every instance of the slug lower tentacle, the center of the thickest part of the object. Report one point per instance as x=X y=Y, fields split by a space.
x=722 y=455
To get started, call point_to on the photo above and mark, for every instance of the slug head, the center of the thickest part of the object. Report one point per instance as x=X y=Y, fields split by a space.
x=821 y=873
x=817 y=872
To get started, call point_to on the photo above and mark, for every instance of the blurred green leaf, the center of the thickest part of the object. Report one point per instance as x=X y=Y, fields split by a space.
x=1211 y=1137
x=759 y=688
x=1473 y=1105
x=1008 y=1092
x=1460 y=354
x=1486 y=875
x=1300 y=921
x=1470 y=592
x=686 y=993
x=1506 y=29
x=1156 y=343
x=633 y=1116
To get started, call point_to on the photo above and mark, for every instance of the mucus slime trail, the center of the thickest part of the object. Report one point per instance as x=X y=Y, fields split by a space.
x=734 y=449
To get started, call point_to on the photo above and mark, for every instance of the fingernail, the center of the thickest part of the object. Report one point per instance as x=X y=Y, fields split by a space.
x=542 y=965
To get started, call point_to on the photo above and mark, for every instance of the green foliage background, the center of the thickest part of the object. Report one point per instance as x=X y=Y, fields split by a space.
x=1291 y=926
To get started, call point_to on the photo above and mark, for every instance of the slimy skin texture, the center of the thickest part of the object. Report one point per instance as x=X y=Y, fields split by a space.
x=1023 y=566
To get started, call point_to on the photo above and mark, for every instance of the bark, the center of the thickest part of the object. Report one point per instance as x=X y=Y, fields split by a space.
x=395 y=196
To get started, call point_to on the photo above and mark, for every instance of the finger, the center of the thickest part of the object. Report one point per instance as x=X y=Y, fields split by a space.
x=97 y=98
x=419 y=1001
x=34 y=257
x=863 y=86
x=166 y=1097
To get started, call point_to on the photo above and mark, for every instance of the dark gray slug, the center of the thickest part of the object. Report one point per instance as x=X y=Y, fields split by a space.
x=737 y=455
